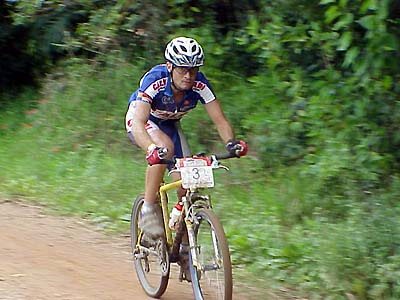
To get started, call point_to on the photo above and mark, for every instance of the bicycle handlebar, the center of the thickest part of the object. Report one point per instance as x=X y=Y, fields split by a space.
x=225 y=156
x=220 y=156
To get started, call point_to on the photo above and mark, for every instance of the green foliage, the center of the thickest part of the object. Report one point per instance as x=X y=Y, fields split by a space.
x=332 y=86
x=60 y=151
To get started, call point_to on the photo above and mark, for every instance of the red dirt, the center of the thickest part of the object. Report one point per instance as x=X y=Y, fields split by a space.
x=43 y=257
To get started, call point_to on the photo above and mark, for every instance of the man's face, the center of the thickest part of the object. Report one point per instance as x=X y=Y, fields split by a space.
x=184 y=77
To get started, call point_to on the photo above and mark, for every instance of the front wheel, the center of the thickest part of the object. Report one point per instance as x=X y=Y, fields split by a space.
x=151 y=260
x=212 y=272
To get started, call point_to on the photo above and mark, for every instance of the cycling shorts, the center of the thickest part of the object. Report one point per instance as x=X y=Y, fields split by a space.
x=171 y=128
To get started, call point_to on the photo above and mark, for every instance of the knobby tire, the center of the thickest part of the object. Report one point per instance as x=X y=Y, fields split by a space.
x=207 y=217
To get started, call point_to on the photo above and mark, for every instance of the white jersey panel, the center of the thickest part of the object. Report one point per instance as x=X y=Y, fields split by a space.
x=204 y=91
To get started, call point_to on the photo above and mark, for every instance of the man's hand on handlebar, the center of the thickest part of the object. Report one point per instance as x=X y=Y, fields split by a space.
x=237 y=147
x=155 y=154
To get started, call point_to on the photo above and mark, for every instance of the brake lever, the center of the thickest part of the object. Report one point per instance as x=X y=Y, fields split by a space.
x=223 y=167
x=215 y=164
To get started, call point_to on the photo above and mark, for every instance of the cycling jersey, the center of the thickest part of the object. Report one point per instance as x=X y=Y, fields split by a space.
x=164 y=114
x=157 y=85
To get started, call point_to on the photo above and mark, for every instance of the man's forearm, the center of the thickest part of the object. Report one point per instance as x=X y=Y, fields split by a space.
x=225 y=131
x=142 y=138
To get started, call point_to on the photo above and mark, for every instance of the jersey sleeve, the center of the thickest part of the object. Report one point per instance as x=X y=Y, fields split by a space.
x=204 y=89
x=152 y=83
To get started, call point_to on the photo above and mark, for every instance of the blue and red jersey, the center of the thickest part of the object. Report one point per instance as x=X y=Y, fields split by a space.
x=156 y=84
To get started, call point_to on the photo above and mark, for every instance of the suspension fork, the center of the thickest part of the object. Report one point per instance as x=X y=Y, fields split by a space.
x=189 y=221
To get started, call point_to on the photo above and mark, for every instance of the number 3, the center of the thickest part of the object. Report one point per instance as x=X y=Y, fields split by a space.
x=196 y=174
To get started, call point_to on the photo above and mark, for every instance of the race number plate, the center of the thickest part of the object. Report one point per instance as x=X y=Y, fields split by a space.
x=196 y=174
x=197 y=177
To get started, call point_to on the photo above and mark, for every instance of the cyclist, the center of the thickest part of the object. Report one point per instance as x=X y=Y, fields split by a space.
x=165 y=94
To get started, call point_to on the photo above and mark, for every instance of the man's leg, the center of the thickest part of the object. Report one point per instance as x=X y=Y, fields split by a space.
x=155 y=173
x=151 y=221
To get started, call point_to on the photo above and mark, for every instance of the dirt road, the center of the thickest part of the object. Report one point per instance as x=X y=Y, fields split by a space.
x=43 y=257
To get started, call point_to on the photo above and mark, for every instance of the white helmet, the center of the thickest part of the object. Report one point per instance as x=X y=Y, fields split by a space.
x=184 y=52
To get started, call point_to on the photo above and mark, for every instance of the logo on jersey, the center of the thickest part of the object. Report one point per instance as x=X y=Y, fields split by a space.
x=159 y=84
x=198 y=86
x=167 y=100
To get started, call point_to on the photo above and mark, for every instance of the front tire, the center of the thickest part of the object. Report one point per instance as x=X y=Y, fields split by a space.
x=151 y=261
x=212 y=278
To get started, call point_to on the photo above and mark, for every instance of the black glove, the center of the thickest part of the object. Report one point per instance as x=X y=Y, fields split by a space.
x=237 y=147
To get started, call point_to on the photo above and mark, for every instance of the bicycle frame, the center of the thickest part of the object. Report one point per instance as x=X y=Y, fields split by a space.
x=164 y=189
x=173 y=186
x=199 y=220
x=164 y=206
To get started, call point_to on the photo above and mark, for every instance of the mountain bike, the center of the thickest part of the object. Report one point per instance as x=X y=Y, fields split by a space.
x=209 y=258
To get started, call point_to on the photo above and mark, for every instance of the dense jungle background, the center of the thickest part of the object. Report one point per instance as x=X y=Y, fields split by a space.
x=313 y=86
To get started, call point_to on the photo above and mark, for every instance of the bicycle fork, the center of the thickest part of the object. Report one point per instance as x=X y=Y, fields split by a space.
x=189 y=221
